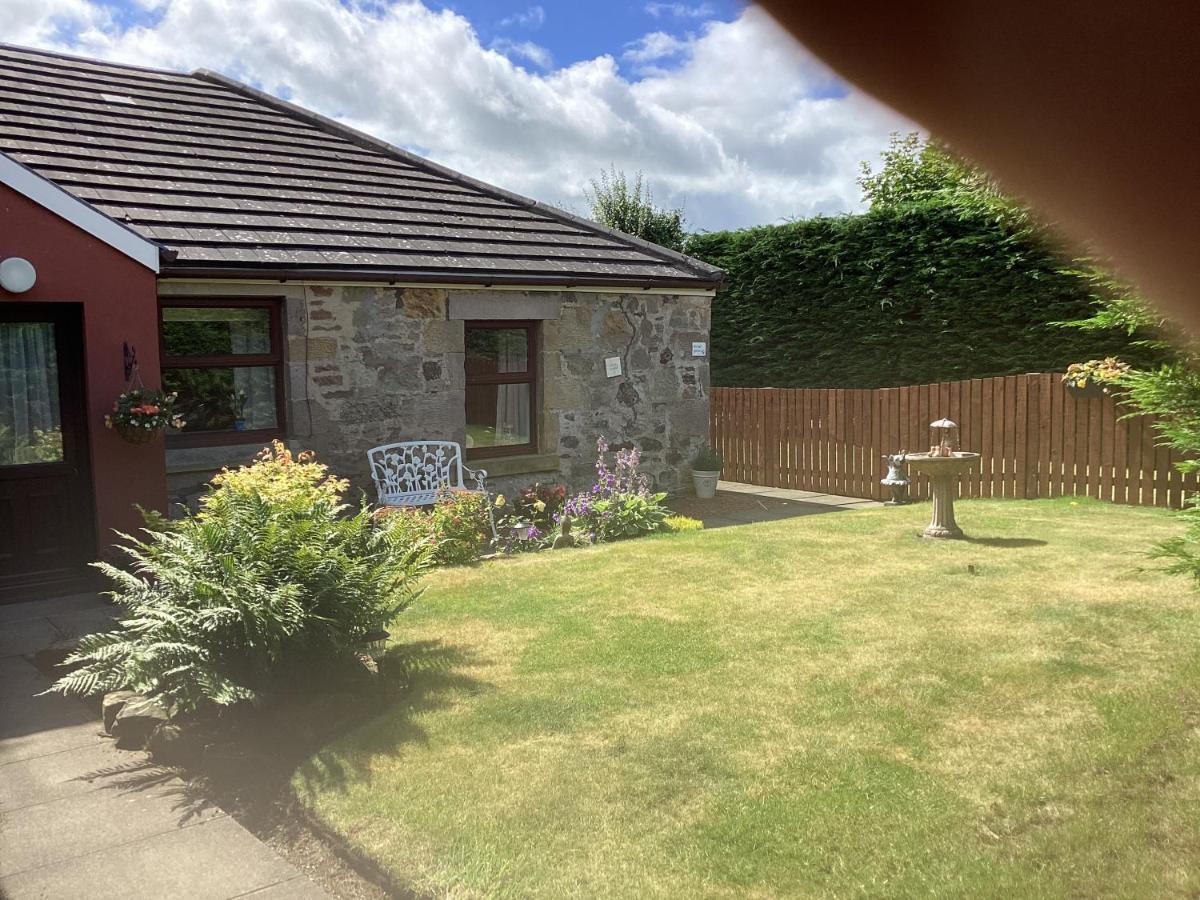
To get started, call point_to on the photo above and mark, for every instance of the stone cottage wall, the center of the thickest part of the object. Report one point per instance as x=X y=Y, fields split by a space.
x=660 y=401
x=383 y=364
x=368 y=365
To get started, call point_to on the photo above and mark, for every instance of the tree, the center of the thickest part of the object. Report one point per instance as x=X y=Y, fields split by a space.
x=1169 y=391
x=631 y=209
x=917 y=170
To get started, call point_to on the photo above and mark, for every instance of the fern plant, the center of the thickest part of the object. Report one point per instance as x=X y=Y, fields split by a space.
x=255 y=592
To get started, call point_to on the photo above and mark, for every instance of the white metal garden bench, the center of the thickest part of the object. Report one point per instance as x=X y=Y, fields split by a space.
x=410 y=473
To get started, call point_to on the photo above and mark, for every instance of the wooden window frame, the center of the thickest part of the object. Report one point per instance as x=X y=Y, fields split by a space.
x=274 y=359
x=529 y=377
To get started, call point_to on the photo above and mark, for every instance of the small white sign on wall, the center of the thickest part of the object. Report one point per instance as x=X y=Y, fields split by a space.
x=699 y=348
x=612 y=366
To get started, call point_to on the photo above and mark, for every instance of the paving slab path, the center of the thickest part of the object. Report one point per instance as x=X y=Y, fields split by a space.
x=745 y=504
x=79 y=818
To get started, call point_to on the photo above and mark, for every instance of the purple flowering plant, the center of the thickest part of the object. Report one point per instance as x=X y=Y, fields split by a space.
x=619 y=504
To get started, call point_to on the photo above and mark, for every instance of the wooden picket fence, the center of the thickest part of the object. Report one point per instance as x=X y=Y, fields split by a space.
x=1036 y=440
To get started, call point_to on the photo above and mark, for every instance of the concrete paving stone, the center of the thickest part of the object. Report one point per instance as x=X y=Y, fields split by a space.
x=20 y=678
x=80 y=622
x=739 y=488
x=39 y=609
x=823 y=499
x=791 y=494
x=67 y=773
x=122 y=812
x=36 y=726
x=299 y=888
x=215 y=860
x=26 y=637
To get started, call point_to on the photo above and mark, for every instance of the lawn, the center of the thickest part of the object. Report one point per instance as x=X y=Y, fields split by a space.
x=825 y=705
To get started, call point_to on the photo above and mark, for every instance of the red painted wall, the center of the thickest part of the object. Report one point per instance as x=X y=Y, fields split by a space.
x=120 y=304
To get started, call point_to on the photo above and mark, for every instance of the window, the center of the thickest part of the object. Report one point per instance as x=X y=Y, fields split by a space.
x=224 y=359
x=501 y=388
x=30 y=419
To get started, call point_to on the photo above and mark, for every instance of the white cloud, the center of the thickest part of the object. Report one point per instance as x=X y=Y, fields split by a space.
x=680 y=10
x=39 y=23
x=745 y=129
x=534 y=53
x=533 y=17
x=655 y=46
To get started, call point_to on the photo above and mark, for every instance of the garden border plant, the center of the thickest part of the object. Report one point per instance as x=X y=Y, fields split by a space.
x=273 y=580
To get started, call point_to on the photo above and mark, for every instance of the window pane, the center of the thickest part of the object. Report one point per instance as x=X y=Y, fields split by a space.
x=30 y=427
x=494 y=351
x=497 y=415
x=225 y=398
x=215 y=331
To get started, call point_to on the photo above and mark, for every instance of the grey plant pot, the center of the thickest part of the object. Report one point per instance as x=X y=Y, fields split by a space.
x=705 y=483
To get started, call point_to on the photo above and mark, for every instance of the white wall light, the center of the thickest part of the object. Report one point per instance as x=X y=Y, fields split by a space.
x=17 y=275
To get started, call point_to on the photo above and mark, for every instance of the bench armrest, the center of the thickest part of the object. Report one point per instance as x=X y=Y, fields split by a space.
x=479 y=476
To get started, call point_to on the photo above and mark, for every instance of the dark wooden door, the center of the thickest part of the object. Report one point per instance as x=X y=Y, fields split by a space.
x=46 y=521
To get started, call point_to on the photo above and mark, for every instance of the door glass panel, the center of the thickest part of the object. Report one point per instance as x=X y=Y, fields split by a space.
x=30 y=421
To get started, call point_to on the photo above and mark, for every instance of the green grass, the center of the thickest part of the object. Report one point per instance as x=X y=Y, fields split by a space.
x=820 y=706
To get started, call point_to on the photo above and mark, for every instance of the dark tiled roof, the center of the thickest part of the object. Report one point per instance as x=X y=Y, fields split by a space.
x=229 y=180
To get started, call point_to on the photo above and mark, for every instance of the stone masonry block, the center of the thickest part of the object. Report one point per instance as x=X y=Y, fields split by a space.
x=424 y=303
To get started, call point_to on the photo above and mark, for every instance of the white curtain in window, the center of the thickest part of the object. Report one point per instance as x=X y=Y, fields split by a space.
x=512 y=400
x=258 y=384
x=30 y=428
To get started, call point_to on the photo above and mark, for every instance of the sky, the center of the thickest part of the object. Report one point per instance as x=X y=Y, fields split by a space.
x=723 y=113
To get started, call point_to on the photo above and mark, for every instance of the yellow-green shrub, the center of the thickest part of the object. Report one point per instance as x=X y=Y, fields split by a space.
x=278 y=475
x=455 y=528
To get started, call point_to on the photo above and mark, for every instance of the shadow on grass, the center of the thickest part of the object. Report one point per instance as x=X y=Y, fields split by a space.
x=1010 y=543
x=417 y=678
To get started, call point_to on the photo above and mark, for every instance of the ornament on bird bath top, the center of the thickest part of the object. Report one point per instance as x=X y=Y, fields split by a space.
x=945 y=437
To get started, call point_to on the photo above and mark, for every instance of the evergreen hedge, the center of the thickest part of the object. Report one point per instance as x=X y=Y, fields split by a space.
x=902 y=295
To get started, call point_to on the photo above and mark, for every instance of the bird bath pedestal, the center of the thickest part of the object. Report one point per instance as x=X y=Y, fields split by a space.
x=943 y=472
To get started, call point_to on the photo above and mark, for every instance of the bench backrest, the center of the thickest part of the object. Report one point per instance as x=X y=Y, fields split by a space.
x=410 y=473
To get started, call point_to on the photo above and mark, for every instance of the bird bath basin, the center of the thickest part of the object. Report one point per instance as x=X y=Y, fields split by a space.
x=943 y=473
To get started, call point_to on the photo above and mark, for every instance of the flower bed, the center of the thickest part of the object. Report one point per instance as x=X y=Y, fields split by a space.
x=619 y=504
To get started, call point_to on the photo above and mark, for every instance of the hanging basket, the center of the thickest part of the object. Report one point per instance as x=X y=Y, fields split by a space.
x=1091 y=389
x=136 y=435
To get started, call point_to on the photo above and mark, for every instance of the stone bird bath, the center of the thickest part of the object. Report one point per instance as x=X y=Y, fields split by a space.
x=943 y=471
